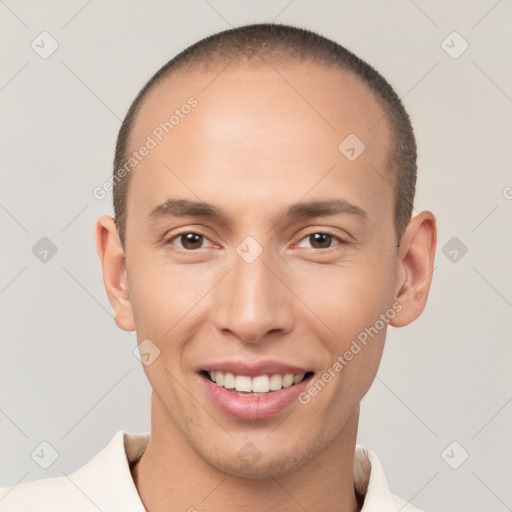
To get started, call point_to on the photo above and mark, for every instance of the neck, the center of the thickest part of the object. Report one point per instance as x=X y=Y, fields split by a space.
x=171 y=476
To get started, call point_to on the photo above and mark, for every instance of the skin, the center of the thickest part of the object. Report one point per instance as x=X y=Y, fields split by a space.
x=252 y=147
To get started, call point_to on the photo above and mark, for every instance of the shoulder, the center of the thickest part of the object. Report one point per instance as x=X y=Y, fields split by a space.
x=370 y=481
x=104 y=483
x=46 y=495
x=399 y=504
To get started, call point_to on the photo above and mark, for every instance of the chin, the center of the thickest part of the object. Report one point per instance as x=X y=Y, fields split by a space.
x=271 y=462
x=263 y=469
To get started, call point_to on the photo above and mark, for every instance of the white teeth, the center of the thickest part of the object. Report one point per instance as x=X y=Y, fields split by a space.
x=243 y=383
x=287 y=380
x=276 y=382
x=229 y=381
x=298 y=378
x=260 y=384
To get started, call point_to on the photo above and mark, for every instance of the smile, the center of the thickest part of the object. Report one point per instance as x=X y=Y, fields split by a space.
x=255 y=386
x=253 y=392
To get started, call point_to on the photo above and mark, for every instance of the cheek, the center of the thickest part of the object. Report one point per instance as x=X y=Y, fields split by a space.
x=161 y=294
x=347 y=298
x=168 y=302
x=354 y=303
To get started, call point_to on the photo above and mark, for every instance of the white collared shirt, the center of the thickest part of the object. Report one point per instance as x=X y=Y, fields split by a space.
x=105 y=483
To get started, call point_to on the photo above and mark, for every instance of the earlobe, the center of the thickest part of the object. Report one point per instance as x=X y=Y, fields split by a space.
x=415 y=268
x=113 y=264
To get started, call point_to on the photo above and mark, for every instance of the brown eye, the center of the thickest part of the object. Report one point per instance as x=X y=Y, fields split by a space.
x=191 y=241
x=320 y=240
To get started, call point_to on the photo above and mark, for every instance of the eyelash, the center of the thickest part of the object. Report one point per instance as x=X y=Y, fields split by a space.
x=324 y=232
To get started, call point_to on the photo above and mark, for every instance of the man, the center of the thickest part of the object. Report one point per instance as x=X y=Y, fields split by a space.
x=262 y=244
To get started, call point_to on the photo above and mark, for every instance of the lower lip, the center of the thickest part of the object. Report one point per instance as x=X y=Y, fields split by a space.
x=252 y=408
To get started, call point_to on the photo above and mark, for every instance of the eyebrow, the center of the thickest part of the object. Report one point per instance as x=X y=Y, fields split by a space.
x=305 y=209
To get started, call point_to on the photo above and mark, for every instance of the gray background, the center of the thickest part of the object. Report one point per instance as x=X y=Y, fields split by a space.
x=68 y=376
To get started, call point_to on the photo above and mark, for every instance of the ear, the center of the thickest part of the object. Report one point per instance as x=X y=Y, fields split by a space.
x=113 y=264
x=415 y=268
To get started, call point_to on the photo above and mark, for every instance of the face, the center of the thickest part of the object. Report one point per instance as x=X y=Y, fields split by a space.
x=294 y=256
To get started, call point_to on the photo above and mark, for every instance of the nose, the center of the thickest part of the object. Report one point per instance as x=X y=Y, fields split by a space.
x=252 y=302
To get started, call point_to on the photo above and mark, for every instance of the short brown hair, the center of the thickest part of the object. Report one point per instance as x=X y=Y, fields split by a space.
x=265 y=42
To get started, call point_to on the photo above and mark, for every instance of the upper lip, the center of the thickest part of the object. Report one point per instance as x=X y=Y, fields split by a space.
x=253 y=369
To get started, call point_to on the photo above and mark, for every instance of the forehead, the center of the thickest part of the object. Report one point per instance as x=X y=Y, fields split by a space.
x=327 y=99
x=274 y=127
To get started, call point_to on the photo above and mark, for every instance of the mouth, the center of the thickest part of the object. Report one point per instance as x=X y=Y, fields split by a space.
x=259 y=385
x=254 y=392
